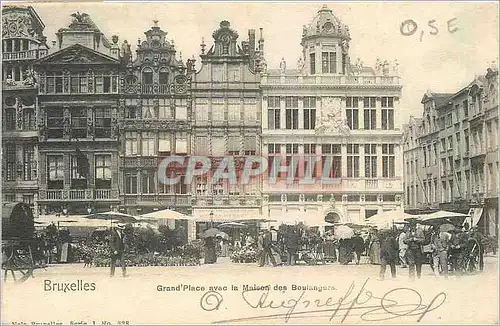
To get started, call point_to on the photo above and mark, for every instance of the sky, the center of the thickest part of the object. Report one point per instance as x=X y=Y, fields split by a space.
x=444 y=62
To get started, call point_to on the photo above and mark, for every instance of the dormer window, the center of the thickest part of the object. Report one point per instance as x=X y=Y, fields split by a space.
x=329 y=62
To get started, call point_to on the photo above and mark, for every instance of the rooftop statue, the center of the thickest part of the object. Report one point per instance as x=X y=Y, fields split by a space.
x=283 y=65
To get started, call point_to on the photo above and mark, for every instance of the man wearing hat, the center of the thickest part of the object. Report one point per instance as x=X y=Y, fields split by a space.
x=117 y=248
x=415 y=239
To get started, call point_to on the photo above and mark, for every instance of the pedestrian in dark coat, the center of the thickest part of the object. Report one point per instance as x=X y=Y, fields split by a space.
x=415 y=239
x=389 y=253
x=117 y=246
x=292 y=245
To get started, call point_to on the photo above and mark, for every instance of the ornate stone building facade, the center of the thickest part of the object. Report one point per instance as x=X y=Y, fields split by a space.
x=341 y=114
x=78 y=99
x=155 y=119
x=227 y=121
x=23 y=42
x=456 y=166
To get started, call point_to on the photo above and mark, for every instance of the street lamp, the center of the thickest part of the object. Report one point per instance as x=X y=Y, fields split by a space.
x=89 y=210
x=65 y=211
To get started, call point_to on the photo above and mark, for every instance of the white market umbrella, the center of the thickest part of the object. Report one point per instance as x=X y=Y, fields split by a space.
x=387 y=219
x=343 y=232
x=442 y=216
x=228 y=217
x=233 y=225
x=166 y=214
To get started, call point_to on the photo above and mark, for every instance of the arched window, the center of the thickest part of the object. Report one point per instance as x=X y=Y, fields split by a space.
x=147 y=76
x=163 y=76
x=429 y=129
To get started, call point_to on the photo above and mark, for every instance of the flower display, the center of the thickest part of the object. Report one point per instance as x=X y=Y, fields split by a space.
x=244 y=255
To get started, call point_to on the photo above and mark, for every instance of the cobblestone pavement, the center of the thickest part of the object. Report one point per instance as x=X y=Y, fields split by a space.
x=161 y=295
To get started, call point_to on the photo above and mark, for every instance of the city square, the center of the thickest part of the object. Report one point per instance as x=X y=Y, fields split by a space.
x=293 y=164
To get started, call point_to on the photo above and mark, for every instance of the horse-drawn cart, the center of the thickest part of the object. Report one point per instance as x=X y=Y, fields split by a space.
x=18 y=241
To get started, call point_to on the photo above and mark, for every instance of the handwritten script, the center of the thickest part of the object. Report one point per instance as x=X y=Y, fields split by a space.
x=356 y=302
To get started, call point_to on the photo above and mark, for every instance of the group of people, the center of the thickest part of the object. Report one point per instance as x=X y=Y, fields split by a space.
x=445 y=250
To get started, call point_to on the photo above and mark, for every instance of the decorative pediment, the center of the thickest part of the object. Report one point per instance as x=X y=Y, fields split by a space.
x=21 y=22
x=78 y=54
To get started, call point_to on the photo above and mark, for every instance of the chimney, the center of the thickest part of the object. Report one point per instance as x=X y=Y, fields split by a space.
x=251 y=46
x=261 y=42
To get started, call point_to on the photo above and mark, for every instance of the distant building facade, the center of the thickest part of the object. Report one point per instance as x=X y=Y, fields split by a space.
x=78 y=98
x=227 y=121
x=451 y=153
x=23 y=42
x=340 y=113
x=155 y=123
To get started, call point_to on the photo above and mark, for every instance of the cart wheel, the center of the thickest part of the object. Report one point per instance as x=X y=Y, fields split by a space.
x=19 y=262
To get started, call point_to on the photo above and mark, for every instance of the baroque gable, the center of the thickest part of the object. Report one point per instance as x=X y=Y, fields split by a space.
x=77 y=54
x=21 y=22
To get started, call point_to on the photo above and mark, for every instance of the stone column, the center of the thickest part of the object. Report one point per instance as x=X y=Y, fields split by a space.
x=362 y=163
x=265 y=117
x=282 y=113
x=343 y=152
x=378 y=110
x=301 y=112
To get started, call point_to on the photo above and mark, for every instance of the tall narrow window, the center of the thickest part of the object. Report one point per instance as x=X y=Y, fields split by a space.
x=387 y=105
x=10 y=161
x=78 y=180
x=370 y=160
x=131 y=109
x=370 y=113
x=148 y=143
x=55 y=123
x=165 y=112
x=131 y=143
x=148 y=182
x=55 y=171
x=312 y=63
x=310 y=169
x=103 y=171
x=130 y=183
x=29 y=163
x=292 y=112
x=274 y=159
x=309 y=113
x=79 y=122
x=103 y=122
x=147 y=76
x=273 y=112
x=388 y=161
x=99 y=84
x=331 y=160
x=10 y=119
x=353 y=160
x=292 y=160
x=181 y=109
x=29 y=119
x=329 y=62
x=163 y=76
x=352 y=112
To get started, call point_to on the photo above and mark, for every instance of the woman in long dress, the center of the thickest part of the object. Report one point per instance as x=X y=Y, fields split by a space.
x=210 y=250
x=375 y=248
x=345 y=251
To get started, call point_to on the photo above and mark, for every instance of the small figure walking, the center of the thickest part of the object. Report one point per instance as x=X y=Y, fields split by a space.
x=117 y=248
x=388 y=253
